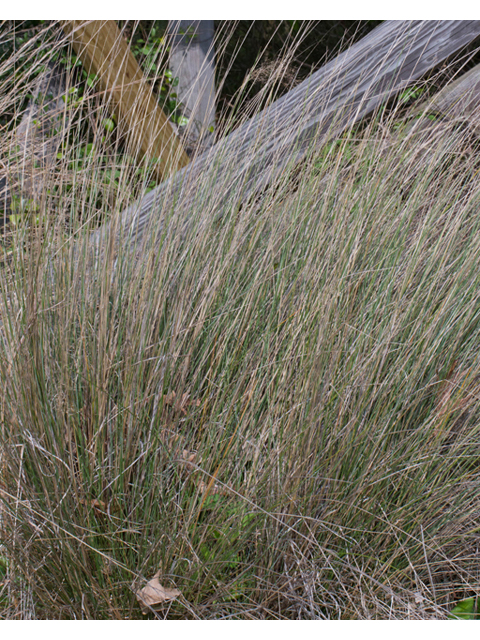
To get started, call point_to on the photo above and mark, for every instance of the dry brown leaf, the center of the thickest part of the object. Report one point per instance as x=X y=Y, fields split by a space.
x=97 y=505
x=153 y=594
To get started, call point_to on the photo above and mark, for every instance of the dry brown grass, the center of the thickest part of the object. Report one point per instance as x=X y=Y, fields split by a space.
x=277 y=410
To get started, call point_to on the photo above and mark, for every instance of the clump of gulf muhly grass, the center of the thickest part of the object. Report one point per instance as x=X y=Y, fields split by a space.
x=276 y=410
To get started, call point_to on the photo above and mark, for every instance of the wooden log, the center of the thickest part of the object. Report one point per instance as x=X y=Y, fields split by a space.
x=459 y=100
x=105 y=52
x=192 y=61
x=387 y=60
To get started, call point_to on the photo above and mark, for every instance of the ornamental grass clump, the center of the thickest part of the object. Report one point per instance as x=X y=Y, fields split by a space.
x=273 y=414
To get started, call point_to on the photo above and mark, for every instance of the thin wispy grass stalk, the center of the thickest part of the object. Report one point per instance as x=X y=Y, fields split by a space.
x=275 y=408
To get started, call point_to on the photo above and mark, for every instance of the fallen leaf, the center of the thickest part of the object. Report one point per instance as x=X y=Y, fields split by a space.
x=154 y=594
x=97 y=505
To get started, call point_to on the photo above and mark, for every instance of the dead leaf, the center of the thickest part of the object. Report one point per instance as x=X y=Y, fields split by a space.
x=153 y=594
x=98 y=506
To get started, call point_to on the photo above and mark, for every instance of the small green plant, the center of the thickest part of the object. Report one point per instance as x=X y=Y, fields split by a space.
x=342 y=148
x=151 y=55
x=226 y=535
x=4 y=563
x=149 y=52
x=411 y=94
x=4 y=567
x=169 y=99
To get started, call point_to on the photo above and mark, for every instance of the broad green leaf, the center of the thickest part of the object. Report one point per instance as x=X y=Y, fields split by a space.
x=464 y=610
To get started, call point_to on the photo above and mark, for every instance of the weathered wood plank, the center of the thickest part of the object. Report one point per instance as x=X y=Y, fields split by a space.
x=460 y=99
x=104 y=50
x=352 y=85
x=192 y=60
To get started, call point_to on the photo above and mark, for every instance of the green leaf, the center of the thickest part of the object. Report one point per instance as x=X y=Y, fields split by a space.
x=92 y=79
x=15 y=219
x=4 y=563
x=108 y=124
x=464 y=610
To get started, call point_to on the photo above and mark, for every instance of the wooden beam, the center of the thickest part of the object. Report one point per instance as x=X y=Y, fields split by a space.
x=387 y=60
x=105 y=52
x=192 y=61
x=459 y=99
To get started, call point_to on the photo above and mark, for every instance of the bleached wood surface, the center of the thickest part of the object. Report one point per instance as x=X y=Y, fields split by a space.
x=352 y=85
x=192 y=61
x=460 y=99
